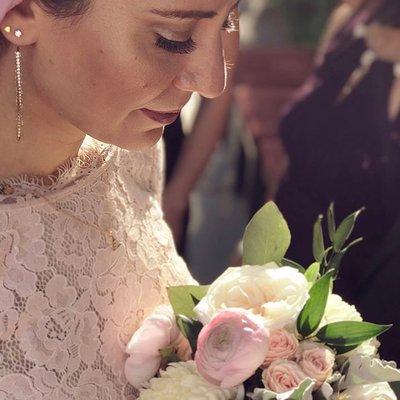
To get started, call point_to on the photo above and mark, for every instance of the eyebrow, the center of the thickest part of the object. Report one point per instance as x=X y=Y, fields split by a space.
x=189 y=14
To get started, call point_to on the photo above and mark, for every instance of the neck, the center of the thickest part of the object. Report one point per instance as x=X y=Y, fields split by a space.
x=47 y=139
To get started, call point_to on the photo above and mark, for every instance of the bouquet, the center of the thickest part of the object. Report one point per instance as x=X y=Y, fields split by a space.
x=270 y=329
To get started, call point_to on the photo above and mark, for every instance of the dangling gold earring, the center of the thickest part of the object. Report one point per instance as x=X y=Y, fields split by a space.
x=19 y=93
x=18 y=85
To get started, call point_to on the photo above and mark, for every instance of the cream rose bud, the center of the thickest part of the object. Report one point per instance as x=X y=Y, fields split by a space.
x=282 y=345
x=276 y=294
x=157 y=332
x=282 y=376
x=376 y=391
x=316 y=360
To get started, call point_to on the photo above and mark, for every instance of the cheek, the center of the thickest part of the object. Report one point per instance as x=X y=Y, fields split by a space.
x=129 y=78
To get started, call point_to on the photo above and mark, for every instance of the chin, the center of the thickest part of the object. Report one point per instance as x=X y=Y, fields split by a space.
x=140 y=141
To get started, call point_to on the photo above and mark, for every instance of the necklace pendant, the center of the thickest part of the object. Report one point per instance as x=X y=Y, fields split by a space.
x=114 y=242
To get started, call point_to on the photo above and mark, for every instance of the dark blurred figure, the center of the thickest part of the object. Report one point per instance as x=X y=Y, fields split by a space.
x=174 y=138
x=349 y=152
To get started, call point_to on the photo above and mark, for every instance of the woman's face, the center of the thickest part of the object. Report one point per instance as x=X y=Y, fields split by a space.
x=126 y=68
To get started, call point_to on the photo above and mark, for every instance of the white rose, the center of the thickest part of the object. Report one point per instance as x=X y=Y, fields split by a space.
x=377 y=391
x=182 y=381
x=338 y=310
x=276 y=294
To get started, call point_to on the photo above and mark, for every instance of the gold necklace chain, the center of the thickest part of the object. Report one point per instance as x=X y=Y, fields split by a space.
x=111 y=239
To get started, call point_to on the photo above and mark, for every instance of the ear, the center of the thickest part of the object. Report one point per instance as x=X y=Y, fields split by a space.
x=22 y=18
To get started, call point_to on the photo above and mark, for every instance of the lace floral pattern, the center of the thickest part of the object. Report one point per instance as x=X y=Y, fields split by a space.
x=69 y=303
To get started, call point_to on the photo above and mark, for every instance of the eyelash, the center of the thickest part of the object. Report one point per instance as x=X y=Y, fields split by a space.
x=188 y=46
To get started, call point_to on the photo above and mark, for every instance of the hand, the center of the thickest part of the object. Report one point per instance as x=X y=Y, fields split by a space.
x=384 y=41
x=174 y=207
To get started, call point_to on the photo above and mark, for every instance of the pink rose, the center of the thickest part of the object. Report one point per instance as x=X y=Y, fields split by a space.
x=317 y=361
x=231 y=347
x=282 y=346
x=282 y=376
x=156 y=333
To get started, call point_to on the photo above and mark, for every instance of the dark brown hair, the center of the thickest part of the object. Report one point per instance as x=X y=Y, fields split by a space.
x=58 y=9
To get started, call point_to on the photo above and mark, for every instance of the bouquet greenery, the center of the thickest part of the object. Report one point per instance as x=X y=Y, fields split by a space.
x=270 y=329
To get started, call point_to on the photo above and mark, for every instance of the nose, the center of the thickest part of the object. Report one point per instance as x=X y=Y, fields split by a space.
x=205 y=71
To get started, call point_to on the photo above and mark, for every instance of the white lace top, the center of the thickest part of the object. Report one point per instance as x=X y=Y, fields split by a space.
x=68 y=302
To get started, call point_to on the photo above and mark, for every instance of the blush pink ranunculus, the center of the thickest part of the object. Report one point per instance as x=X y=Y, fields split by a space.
x=282 y=376
x=317 y=361
x=157 y=332
x=283 y=345
x=231 y=348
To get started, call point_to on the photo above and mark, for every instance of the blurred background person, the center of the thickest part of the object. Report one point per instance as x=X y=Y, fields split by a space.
x=342 y=139
x=278 y=38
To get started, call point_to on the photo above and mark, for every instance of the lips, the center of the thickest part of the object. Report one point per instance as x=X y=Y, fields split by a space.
x=164 y=118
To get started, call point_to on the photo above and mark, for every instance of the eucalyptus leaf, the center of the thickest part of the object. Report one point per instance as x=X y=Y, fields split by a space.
x=344 y=230
x=318 y=241
x=184 y=299
x=349 y=333
x=312 y=313
x=267 y=237
x=312 y=272
x=331 y=221
x=302 y=392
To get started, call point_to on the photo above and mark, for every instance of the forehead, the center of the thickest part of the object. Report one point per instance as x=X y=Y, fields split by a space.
x=203 y=5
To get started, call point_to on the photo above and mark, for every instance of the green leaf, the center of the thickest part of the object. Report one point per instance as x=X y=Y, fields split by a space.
x=349 y=333
x=312 y=272
x=345 y=230
x=290 y=263
x=344 y=349
x=184 y=299
x=267 y=237
x=353 y=243
x=331 y=221
x=190 y=329
x=335 y=262
x=312 y=313
x=318 y=241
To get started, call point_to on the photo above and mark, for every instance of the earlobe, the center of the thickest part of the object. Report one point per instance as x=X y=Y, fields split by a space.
x=19 y=26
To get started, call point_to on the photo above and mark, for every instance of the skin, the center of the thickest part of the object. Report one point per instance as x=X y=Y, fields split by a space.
x=94 y=76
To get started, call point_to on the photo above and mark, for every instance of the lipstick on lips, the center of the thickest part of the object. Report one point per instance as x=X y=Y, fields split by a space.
x=164 y=118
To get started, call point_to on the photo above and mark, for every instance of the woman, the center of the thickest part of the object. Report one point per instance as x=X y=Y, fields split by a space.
x=84 y=252
x=347 y=149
